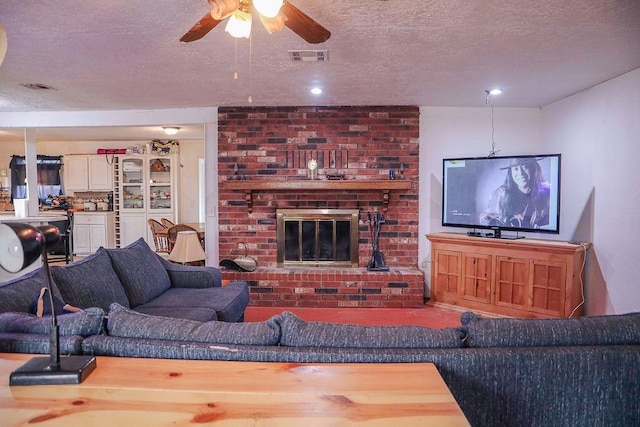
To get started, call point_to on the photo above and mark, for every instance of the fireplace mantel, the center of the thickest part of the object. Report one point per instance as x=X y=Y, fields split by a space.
x=317 y=185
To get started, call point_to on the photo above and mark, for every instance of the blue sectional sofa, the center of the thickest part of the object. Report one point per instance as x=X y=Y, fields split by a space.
x=137 y=278
x=502 y=372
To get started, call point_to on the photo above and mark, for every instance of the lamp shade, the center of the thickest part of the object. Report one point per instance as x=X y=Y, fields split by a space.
x=3 y=43
x=187 y=248
x=268 y=8
x=21 y=244
x=239 y=24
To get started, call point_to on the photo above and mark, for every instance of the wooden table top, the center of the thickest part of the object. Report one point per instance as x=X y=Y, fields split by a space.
x=162 y=392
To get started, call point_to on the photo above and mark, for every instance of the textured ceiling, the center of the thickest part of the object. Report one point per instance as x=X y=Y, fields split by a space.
x=121 y=55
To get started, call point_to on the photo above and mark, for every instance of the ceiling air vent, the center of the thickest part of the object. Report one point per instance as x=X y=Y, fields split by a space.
x=36 y=86
x=309 y=55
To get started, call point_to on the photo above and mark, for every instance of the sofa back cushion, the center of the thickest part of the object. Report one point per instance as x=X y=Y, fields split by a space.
x=131 y=324
x=299 y=333
x=90 y=282
x=85 y=323
x=140 y=271
x=18 y=295
x=591 y=330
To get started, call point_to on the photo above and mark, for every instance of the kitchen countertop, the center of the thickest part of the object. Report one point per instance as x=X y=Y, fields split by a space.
x=40 y=218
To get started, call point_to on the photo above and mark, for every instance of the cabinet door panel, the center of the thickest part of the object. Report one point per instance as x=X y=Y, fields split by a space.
x=476 y=277
x=76 y=171
x=512 y=281
x=98 y=235
x=132 y=227
x=81 y=239
x=100 y=173
x=547 y=287
x=447 y=272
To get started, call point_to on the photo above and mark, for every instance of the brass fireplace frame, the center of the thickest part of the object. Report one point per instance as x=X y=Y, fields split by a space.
x=351 y=215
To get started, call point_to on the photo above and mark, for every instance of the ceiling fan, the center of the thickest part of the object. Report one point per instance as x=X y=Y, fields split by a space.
x=274 y=14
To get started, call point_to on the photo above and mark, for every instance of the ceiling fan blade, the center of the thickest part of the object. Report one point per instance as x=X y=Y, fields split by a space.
x=202 y=27
x=301 y=24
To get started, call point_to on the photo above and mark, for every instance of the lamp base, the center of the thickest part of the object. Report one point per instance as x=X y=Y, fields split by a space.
x=37 y=371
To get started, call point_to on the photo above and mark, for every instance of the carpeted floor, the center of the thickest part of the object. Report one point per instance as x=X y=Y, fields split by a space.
x=429 y=316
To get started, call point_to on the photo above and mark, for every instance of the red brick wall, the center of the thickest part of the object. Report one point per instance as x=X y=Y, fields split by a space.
x=274 y=143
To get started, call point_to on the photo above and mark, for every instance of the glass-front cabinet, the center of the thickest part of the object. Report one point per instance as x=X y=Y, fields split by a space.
x=132 y=184
x=147 y=183
x=148 y=189
x=160 y=183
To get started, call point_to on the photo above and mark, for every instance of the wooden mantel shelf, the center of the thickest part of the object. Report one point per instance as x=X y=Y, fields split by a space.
x=317 y=185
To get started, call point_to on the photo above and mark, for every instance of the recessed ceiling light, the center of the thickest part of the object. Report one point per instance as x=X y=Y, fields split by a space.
x=316 y=91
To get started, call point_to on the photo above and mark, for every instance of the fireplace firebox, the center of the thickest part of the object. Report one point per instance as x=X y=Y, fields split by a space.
x=317 y=237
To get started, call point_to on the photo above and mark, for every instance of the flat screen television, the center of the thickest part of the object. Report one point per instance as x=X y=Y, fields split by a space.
x=516 y=193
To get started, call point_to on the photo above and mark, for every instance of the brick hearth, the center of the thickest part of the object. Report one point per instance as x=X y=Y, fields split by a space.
x=270 y=145
x=331 y=288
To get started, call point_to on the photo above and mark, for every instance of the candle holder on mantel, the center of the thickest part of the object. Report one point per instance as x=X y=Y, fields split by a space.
x=312 y=166
x=235 y=176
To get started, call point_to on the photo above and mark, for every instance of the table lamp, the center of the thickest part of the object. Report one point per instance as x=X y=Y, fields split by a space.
x=187 y=248
x=20 y=246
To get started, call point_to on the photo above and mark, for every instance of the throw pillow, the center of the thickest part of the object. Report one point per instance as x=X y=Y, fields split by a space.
x=86 y=322
x=620 y=329
x=90 y=282
x=140 y=271
x=299 y=333
x=131 y=324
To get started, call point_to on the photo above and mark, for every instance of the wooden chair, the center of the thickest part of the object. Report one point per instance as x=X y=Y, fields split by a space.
x=172 y=233
x=161 y=241
x=166 y=223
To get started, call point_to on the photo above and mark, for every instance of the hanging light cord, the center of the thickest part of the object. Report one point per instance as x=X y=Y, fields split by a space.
x=235 y=61
x=493 y=151
x=250 y=67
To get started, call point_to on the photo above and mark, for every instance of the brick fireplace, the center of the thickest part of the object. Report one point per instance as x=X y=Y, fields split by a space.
x=263 y=158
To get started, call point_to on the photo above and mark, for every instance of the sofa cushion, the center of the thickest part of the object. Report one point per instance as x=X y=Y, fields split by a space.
x=38 y=343
x=86 y=322
x=229 y=302
x=17 y=295
x=140 y=271
x=299 y=333
x=90 y=282
x=591 y=330
x=131 y=324
x=198 y=314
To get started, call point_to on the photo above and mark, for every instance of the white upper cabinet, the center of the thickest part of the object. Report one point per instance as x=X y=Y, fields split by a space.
x=87 y=173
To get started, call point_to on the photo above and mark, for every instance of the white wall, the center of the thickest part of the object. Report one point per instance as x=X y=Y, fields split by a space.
x=464 y=132
x=598 y=132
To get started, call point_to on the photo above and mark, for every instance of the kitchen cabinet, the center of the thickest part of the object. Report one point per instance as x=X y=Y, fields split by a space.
x=520 y=278
x=92 y=230
x=148 y=188
x=87 y=173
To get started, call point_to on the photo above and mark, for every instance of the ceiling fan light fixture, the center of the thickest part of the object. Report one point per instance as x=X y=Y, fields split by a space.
x=239 y=24
x=268 y=8
x=3 y=43
x=170 y=130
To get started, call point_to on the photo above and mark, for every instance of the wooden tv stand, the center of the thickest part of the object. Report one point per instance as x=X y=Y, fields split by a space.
x=519 y=278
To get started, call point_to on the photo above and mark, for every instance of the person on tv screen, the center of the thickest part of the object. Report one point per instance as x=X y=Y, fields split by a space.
x=522 y=201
